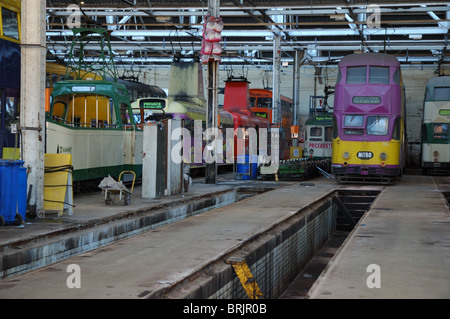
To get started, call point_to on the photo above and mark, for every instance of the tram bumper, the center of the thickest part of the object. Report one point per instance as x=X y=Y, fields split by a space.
x=365 y=170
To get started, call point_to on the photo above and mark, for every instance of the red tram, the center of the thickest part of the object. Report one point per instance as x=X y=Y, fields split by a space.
x=237 y=102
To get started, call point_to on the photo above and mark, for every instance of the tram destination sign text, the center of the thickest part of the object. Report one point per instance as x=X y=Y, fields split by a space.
x=146 y=104
x=366 y=100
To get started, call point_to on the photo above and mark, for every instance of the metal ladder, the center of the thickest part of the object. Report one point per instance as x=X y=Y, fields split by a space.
x=245 y=276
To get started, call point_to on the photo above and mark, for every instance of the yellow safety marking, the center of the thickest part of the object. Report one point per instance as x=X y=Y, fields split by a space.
x=246 y=278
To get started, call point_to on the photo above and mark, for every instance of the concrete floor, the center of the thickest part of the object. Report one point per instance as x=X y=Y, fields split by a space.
x=407 y=235
x=143 y=264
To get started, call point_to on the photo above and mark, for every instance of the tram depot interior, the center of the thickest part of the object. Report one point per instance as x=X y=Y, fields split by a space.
x=298 y=43
x=416 y=32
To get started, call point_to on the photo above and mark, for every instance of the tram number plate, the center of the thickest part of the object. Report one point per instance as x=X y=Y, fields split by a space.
x=364 y=155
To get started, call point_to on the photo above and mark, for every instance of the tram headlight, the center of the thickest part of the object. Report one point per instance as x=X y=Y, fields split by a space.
x=346 y=155
x=435 y=153
x=383 y=156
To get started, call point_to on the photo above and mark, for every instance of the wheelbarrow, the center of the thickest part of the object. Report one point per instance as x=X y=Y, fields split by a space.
x=112 y=188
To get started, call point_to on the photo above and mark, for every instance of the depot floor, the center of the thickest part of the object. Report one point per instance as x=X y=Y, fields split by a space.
x=402 y=245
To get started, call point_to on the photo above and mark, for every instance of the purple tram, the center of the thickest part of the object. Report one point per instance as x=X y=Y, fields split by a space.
x=369 y=137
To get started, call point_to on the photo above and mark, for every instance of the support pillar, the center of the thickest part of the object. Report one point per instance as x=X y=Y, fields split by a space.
x=297 y=64
x=213 y=102
x=276 y=103
x=32 y=99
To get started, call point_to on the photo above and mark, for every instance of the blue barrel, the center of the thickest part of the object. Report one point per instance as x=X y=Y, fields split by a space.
x=246 y=169
x=7 y=196
x=9 y=189
x=22 y=192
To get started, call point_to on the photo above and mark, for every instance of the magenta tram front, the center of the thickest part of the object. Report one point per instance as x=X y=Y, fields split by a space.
x=368 y=119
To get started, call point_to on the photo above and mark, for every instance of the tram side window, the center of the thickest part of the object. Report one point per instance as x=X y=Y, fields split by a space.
x=11 y=108
x=252 y=101
x=442 y=93
x=356 y=74
x=59 y=109
x=124 y=115
x=328 y=133
x=397 y=76
x=339 y=77
x=10 y=24
x=334 y=127
x=379 y=75
x=396 y=134
x=90 y=111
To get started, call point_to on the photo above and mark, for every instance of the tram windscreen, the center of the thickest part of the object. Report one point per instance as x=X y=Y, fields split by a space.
x=377 y=125
x=353 y=120
x=316 y=134
x=442 y=93
x=440 y=130
x=264 y=102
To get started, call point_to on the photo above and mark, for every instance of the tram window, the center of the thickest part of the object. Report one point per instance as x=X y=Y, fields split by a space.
x=315 y=134
x=328 y=132
x=353 y=120
x=397 y=76
x=10 y=24
x=353 y=132
x=377 y=125
x=124 y=114
x=59 y=109
x=91 y=111
x=428 y=95
x=442 y=93
x=379 y=75
x=11 y=109
x=264 y=102
x=396 y=134
x=440 y=130
x=339 y=77
x=252 y=101
x=335 y=127
x=356 y=74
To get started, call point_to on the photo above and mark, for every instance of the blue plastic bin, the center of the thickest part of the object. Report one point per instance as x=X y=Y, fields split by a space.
x=22 y=193
x=246 y=169
x=9 y=190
